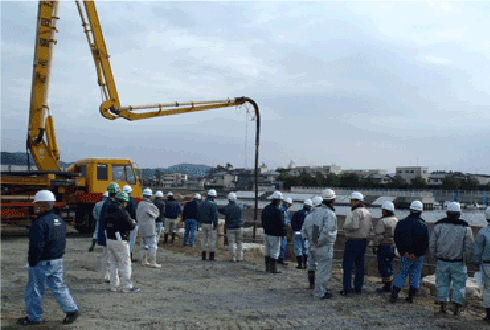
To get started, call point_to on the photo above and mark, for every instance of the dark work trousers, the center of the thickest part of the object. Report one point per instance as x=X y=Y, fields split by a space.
x=354 y=252
x=386 y=254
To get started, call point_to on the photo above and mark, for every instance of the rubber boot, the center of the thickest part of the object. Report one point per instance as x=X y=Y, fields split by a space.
x=91 y=248
x=173 y=238
x=411 y=294
x=394 y=294
x=144 y=258
x=165 y=238
x=386 y=288
x=267 y=264
x=153 y=260
x=132 y=259
x=281 y=261
x=305 y=262
x=273 y=268
x=203 y=254
x=211 y=256
x=457 y=309
x=311 y=278
x=487 y=318
x=299 y=259
x=443 y=307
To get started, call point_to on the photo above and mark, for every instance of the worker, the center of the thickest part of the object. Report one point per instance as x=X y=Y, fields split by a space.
x=357 y=233
x=451 y=243
x=384 y=245
x=96 y=214
x=119 y=225
x=300 y=242
x=113 y=189
x=412 y=241
x=172 y=213
x=161 y=208
x=274 y=231
x=482 y=261
x=317 y=201
x=47 y=243
x=323 y=237
x=286 y=205
x=207 y=214
x=190 y=220
x=131 y=207
x=146 y=214
x=234 y=224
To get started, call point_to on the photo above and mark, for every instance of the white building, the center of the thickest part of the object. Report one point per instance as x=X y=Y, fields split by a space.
x=410 y=172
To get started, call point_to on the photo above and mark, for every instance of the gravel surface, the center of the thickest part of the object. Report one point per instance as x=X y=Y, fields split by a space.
x=187 y=293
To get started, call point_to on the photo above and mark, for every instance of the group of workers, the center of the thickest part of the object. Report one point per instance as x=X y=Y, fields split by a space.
x=120 y=219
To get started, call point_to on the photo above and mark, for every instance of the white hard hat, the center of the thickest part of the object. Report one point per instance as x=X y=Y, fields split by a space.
x=357 y=195
x=197 y=196
x=317 y=201
x=328 y=194
x=487 y=212
x=212 y=193
x=416 y=206
x=454 y=207
x=106 y=194
x=277 y=195
x=127 y=189
x=158 y=194
x=388 y=206
x=288 y=200
x=308 y=202
x=232 y=196
x=44 y=196
x=147 y=192
x=170 y=193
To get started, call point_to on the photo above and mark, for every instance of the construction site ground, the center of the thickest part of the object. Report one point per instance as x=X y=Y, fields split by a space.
x=187 y=293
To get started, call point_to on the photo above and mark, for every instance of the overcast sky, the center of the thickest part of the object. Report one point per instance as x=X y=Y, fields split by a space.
x=358 y=84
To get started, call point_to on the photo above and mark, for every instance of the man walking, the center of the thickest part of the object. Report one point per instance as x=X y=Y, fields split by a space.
x=482 y=261
x=119 y=225
x=384 y=245
x=274 y=231
x=131 y=207
x=207 y=214
x=323 y=234
x=357 y=233
x=190 y=220
x=47 y=243
x=160 y=204
x=172 y=213
x=300 y=241
x=412 y=241
x=234 y=223
x=146 y=214
x=450 y=242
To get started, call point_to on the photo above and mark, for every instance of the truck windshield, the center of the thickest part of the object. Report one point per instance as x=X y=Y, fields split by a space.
x=123 y=173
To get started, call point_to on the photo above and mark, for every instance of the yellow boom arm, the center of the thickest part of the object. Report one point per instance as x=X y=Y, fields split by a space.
x=111 y=107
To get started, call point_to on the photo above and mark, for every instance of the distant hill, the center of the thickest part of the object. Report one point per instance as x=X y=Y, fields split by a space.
x=192 y=170
x=20 y=158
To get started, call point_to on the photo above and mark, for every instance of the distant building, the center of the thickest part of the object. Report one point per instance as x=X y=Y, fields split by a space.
x=313 y=170
x=435 y=178
x=366 y=173
x=221 y=180
x=410 y=172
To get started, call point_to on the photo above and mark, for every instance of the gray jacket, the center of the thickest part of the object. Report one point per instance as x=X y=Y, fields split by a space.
x=146 y=214
x=451 y=240
x=385 y=231
x=482 y=246
x=361 y=224
x=325 y=221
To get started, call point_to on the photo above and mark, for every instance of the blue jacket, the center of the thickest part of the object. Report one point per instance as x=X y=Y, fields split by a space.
x=172 y=209
x=190 y=210
x=273 y=221
x=131 y=207
x=47 y=238
x=412 y=236
x=298 y=219
x=233 y=215
x=287 y=215
x=102 y=223
x=161 y=207
x=207 y=212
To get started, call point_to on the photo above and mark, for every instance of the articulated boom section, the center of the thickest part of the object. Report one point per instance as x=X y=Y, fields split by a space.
x=45 y=152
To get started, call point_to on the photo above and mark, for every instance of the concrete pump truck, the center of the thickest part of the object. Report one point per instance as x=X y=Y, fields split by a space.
x=79 y=188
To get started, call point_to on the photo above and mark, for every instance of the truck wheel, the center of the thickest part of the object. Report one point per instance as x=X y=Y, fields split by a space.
x=84 y=221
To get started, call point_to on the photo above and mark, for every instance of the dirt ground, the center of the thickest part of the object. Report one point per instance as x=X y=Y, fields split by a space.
x=187 y=293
